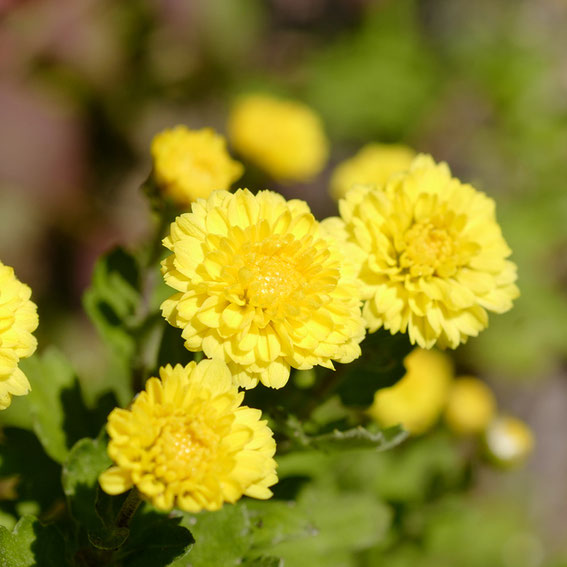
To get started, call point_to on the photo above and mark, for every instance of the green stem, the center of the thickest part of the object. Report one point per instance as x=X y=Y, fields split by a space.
x=129 y=507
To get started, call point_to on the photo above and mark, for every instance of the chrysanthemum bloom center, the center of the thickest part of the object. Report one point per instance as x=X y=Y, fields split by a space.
x=277 y=275
x=434 y=247
x=185 y=447
x=269 y=278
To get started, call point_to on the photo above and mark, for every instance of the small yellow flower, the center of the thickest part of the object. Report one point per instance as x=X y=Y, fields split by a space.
x=18 y=320
x=471 y=406
x=372 y=165
x=189 y=164
x=285 y=138
x=417 y=400
x=261 y=286
x=186 y=442
x=509 y=440
x=431 y=256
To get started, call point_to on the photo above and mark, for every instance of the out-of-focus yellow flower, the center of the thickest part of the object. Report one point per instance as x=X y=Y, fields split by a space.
x=189 y=164
x=285 y=138
x=417 y=400
x=509 y=440
x=431 y=256
x=470 y=407
x=261 y=286
x=372 y=165
x=186 y=442
x=18 y=320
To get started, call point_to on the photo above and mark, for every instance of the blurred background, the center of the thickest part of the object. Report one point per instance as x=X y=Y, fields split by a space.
x=85 y=85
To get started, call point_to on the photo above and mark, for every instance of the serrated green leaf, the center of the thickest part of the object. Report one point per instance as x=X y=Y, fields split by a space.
x=359 y=438
x=345 y=440
x=59 y=414
x=156 y=541
x=30 y=544
x=113 y=298
x=222 y=538
x=86 y=461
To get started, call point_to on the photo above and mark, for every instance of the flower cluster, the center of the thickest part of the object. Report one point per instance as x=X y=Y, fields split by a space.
x=18 y=320
x=261 y=286
x=188 y=442
x=285 y=138
x=431 y=257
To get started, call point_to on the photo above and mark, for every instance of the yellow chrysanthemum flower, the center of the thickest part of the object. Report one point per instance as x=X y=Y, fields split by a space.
x=186 y=442
x=18 y=320
x=261 y=286
x=470 y=407
x=431 y=256
x=509 y=440
x=417 y=400
x=374 y=164
x=190 y=164
x=283 y=137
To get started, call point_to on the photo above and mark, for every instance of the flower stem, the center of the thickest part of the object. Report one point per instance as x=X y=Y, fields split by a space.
x=129 y=507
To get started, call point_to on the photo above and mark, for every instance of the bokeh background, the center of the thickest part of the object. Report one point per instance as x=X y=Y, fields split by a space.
x=85 y=84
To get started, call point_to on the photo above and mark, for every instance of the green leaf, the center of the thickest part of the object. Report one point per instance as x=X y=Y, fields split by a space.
x=380 y=366
x=222 y=538
x=347 y=440
x=59 y=414
x=156 y=541
x=30 y=544
x=113 y=299
x=343 y=523
x=86 y=461
x=359 y=438
x=277 y=521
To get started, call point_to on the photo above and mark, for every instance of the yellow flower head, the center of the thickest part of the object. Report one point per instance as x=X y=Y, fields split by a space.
x=186 y=442
x=372 y=165
x=471 y=406
x=18 y=319
x=189 y=164
x=417 y=400
x=285 y=138
x=509 y=440
x=261 y=286
x=431 y=256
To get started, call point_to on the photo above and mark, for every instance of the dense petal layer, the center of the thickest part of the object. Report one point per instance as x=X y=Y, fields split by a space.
x=431 y=258
x=261 y=287
x=187 y=442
